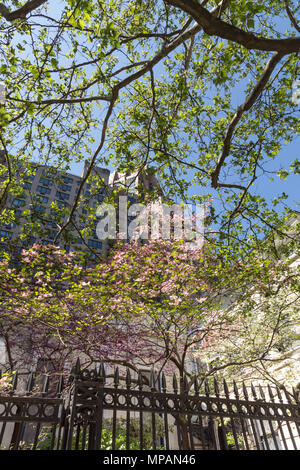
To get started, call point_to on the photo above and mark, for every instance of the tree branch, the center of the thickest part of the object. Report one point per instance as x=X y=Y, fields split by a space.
x=22 y=12
x=216 y=27
x=291 y=16
x=250 y=100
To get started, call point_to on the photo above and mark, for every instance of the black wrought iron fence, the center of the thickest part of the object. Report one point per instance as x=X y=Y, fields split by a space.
x=95 y=410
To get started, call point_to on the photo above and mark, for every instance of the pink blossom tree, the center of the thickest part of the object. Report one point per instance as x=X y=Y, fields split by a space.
x=154 y=304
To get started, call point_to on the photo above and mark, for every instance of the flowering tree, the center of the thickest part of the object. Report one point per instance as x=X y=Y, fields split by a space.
x=154 y=304
x=42 y=312
x=204 y=304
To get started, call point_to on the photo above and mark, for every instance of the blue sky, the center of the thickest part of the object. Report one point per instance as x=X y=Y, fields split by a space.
x=263 y=185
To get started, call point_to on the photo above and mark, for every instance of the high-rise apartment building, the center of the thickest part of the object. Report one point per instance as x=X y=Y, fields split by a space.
x=45 y=198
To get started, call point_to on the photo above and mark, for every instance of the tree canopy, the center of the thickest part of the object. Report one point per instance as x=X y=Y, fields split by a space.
x=199 y=92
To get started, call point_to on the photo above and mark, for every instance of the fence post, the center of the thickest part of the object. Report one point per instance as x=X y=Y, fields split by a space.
x=183 y=416
x=98 y=410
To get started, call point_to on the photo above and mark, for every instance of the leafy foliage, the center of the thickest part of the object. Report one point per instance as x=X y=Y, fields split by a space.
x=135 y=84
x=120 y=435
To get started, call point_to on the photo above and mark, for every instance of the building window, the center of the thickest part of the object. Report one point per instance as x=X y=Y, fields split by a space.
x=61 y=195
x=42 y=190
x=95 y=244
x=27 y=185
x=18 y=203
x=5 y=234
x=46 y=181
x=39 y=208
x=42 y=199
x=67 y=179
x=64 y=187
x=30 y=178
